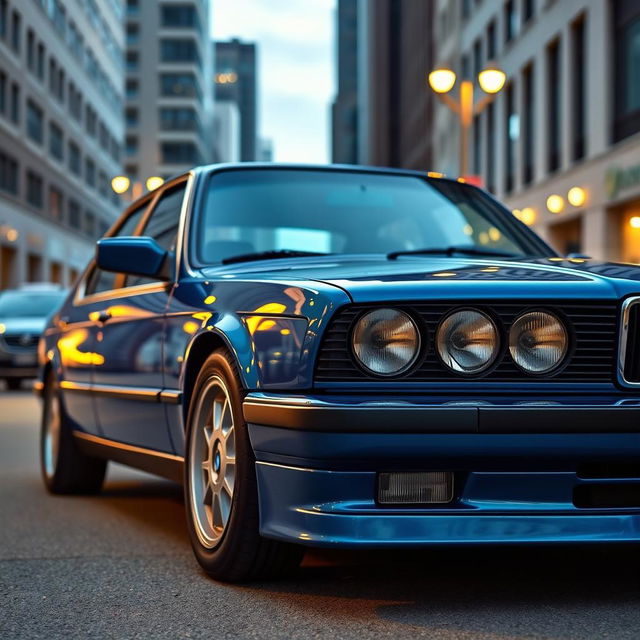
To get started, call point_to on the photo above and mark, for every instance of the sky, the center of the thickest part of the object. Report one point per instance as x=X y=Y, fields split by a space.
x=295 y=69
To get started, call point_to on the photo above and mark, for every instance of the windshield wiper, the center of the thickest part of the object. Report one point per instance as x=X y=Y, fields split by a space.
x=272 y=255
x=449 y=251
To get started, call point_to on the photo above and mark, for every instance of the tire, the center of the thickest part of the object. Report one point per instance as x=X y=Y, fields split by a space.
x=14 y=384
x=65 y=468
x=220 y=480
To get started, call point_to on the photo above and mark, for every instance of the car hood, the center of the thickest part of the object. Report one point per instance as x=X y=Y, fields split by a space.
x=32 y=325
x=378 y=279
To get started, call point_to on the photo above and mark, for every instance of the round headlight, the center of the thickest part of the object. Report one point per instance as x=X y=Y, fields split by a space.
x=386 y=341
x=467 y=341
x=538 y=342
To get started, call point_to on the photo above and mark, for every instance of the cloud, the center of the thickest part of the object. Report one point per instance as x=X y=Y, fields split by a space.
x=295 y=62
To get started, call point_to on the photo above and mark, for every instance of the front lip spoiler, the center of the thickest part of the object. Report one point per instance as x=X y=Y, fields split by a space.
x=314 y=414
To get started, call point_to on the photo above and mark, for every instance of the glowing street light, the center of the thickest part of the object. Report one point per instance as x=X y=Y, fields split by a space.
x=442 y=80
x=491 y=80
x=154 y=182
x=577 y=196
x=555 y=203
x=120 y=184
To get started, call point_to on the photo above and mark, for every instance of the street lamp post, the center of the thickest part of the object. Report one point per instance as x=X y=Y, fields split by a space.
x=442 y=81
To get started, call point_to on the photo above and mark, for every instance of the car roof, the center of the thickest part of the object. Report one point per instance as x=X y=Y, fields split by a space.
x=341 y=168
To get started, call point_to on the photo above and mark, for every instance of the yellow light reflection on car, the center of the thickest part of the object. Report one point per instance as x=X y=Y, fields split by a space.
x=70 y=354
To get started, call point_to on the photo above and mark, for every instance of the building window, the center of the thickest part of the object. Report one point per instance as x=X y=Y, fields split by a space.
x=103 y=188
x=477 y=145
x=131 y=116
x=115 y=149
x=133 y=7
x=8 y=174
x=466 y=9
x=178 y=119
x=554 y=106
x=511 y=126
x=74 y=158
x=179 y=50
x=131 y=88
x=75 y=102
x=16 y=27
x=131 y=170
x=510 y=20
x=34 y=190
x=56 y=142
x=53 y=77
x=31 y=51
x=131 y=145
x=133 y=33
x=14 y=110
x=90 y=120
x=491 y=148
x=75 y=219
x=465 y=67
x=491 y=41
x=179 y=15
x=626 y=21
x=104 y=136
x=4 y=8
x=3 y=92
x=579 y=92
x=179 y=84
x=56 y=210
x=132 y=60
x=528 y=118
x=179 y=153
x=90 y=172
x=477 y=57
x=89 y=226
x=528 y=9
x=35 y=129
x=40 y=62
x=61 y=81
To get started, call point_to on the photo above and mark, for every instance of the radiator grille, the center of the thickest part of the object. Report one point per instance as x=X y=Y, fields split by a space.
x=593 y=326
x=632 y=355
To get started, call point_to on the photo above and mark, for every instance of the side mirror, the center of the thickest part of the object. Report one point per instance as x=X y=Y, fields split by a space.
x=133 y=255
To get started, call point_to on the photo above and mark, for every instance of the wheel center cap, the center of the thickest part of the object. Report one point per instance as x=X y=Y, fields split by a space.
x=217 y=462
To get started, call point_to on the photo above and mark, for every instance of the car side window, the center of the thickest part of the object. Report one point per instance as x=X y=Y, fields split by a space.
x=162 y=225
x=100 y=280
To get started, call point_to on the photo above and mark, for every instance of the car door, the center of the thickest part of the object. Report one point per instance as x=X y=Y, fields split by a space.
x=78 y=331
x=127 y=385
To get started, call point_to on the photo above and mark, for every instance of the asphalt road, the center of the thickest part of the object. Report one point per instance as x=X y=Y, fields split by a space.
x=119 y=566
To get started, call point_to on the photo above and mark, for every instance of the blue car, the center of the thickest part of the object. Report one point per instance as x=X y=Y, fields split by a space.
x=348 y=357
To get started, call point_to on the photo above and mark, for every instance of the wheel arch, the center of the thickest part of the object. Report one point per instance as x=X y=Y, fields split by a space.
x=202 y=346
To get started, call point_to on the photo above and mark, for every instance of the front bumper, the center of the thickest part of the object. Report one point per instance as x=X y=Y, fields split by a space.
x=517 y=464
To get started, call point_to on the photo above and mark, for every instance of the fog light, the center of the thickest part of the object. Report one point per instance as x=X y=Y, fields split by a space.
x=422 y=487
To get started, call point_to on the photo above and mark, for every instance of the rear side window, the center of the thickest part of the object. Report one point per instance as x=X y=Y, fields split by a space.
x=99 y=280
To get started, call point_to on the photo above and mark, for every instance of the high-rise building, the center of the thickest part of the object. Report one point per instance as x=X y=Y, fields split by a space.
x=236 y=81
x=227 y=131
x=344 y=113
x=169 y=102
x=61 y=129
x=561 y=142
x=395 y=107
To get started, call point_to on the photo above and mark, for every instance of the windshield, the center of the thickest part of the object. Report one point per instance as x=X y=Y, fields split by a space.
x=266 y=210
x=23 y=304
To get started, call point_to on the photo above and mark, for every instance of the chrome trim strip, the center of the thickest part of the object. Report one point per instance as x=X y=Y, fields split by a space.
x=145 y=394
x=624 y=331
x=171 y=396
x=127 y=447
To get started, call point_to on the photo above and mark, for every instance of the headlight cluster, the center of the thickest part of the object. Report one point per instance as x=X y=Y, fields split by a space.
x=386 y=342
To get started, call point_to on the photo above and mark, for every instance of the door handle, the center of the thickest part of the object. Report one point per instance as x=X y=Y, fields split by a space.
x=100 y=317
